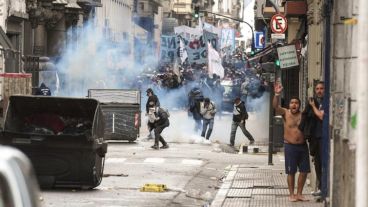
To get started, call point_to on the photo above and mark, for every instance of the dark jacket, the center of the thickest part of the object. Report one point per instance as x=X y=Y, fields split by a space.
x=163 y=120
x=311 y=126
x=154 y=100
x=240 y=112
x=43 y=90
x=195 y=98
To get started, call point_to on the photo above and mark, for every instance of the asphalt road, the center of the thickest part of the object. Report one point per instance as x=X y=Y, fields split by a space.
x=191 y=170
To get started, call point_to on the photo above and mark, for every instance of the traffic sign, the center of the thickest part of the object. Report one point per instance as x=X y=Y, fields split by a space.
x=278 y=23
x=287 y=56
x=259 y=42
x=280 y=36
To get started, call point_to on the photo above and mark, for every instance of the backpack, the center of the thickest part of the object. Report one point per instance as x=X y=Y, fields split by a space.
x=165 y=111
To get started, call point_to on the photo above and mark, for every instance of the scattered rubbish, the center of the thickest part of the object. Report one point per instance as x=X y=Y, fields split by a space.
x=197 y=194
x=207 y=196
x=116 y=175
x=216 y=148
x=206 y=204
x=193 y=193
x=154 y=188
x=243 y=149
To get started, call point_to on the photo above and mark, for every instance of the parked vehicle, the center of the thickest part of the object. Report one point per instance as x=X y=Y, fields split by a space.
x=18 y=184
x=122 y=112
x=63 y=138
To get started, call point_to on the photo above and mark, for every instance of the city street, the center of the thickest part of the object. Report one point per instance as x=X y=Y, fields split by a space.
x=83 y=81
x=193 y=173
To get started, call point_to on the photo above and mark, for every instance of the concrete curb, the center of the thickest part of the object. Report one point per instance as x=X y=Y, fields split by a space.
x=225 y=187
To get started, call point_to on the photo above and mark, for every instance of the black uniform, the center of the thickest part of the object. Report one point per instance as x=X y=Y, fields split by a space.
x=160 y=125
x=152 y=101
x=43 y=90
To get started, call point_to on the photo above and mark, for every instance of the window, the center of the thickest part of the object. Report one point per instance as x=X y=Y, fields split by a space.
x=141 y=6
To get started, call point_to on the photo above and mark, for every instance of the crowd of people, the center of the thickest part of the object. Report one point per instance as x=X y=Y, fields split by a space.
x=179 y=81
x=203 y=111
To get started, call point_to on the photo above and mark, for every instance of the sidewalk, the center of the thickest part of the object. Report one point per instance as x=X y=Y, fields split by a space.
x=258 y=186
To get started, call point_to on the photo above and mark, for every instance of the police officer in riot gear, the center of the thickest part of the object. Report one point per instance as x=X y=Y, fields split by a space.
x=43 y=90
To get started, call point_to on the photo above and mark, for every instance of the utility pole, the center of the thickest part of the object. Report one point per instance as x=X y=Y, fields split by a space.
x=362 y=112
x=270 y=132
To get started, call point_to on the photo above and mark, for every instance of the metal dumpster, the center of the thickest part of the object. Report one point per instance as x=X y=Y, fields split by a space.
x=121 y=110
x=63 y=137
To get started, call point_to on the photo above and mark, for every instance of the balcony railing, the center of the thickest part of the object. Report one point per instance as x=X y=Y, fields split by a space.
x=93 y=3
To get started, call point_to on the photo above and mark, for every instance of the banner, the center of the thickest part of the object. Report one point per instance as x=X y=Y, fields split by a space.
x=214 y=62
x=169 y=48
x=227 y=44
x=183 y=54
x=197 y=48
x=188 y=42
x=188 y=33
x=212 y=29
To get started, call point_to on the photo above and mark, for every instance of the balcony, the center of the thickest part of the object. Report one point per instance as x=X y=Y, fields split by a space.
x=182 y=7
x=295 y=8
x=268 y=11
x=91 y=3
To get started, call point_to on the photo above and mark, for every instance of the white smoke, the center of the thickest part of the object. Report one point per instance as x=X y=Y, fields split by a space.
x=181 y=129
x=93 y=61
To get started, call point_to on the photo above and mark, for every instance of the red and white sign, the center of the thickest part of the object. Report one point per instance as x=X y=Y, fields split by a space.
x=278 y=23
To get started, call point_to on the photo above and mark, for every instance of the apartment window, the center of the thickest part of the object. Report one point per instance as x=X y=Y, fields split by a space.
x=141 y=6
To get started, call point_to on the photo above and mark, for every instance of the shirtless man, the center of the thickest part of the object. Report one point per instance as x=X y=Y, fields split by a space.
x=296 y=149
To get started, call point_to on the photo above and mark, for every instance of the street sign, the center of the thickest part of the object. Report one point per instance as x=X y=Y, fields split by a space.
x=259 y=42
x=278 y=36
x=287 y=56
x=278 y=23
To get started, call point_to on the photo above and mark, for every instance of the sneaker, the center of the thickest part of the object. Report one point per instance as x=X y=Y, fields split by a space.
x=165 y=146
x=206 y=141
x=155 y=147
x=317 y=193
x=251 y=142
x=230 y=145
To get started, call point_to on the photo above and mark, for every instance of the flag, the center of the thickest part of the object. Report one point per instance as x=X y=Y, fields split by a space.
x=177 y=71
x=183 y=54
x=214 y=62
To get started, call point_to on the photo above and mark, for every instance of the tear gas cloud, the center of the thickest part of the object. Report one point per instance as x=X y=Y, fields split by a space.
x=92 y=61
x=181 y=129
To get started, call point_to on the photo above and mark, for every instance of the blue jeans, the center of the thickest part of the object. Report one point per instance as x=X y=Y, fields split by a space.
x=234 y=127
x=207 y=123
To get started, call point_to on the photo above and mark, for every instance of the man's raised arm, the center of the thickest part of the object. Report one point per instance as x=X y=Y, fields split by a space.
x=275 y=102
